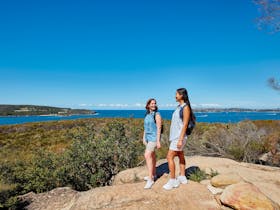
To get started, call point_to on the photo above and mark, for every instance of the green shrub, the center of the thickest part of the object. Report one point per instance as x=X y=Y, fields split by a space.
x=198 y=175
x=213 y=173
x=38 y=175
x=92 y=161
x=236 y=151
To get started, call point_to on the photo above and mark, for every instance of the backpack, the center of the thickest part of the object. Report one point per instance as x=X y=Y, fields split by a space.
x=161 y=131
x=191 y=123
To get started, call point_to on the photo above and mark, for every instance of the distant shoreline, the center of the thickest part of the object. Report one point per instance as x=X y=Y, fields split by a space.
x=47 y=115
x=34 y=110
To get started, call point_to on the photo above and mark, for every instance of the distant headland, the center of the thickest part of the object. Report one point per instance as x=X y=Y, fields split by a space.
x=234 y=110
x=26 y=110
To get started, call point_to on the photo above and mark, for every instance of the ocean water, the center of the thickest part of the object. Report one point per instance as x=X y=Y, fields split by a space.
x=210 y=117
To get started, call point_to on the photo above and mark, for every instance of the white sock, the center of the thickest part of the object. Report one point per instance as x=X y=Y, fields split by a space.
x=172 y=180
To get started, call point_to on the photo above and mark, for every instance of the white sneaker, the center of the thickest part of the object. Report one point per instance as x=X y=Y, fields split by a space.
x=149 y=184
x=172 y=183
x=182 y=179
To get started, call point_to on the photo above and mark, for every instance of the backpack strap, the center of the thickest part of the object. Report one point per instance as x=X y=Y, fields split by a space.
x=181 y=113
x=155 y=117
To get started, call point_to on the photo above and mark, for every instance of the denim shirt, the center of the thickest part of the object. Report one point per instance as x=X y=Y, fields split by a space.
x=176 y=125
x=150 y=127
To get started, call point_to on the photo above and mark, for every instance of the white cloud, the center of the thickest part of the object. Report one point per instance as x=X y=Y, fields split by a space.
x=82 y=104
x=209 y=105
x=118 y=105
x=139 y=105
x=112 y=105
x=168 y=105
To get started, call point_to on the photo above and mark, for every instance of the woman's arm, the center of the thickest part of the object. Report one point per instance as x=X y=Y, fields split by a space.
x=186 y=118
x=144 y=138
x=158 y=123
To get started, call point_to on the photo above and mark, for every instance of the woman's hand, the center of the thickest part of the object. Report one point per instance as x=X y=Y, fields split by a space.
x=158 y=145
x=144 y=139
x=179 y=144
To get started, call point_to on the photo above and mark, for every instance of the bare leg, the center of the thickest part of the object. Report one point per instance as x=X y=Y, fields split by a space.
x=154 y=163
x=182 y=162
x=149 y=163
x=171 y=165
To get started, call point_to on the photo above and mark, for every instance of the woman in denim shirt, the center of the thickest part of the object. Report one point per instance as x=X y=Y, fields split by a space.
x=151 y=139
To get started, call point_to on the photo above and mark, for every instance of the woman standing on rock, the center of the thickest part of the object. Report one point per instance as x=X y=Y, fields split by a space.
x=178 y=137
x=151 y=139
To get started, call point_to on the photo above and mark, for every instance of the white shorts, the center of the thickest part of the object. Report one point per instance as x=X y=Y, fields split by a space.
x=151 y=146
x=173 y=145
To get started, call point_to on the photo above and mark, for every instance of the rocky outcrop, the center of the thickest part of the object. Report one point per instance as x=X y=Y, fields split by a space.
x=59 y=198
x=223 y=180
x=246 y=196
x=192 y=196
x=127 y=191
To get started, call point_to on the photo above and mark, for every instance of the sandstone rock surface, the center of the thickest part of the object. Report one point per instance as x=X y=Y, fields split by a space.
x=223 y=180
x=246 y=196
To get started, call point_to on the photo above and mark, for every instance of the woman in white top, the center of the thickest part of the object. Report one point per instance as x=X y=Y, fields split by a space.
x=178 y=137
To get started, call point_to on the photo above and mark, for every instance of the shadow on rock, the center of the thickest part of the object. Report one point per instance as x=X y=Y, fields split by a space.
x=163 y=168
x=191 y=170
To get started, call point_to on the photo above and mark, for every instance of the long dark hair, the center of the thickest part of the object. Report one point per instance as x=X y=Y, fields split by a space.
x=147 y=105
x=183 y=92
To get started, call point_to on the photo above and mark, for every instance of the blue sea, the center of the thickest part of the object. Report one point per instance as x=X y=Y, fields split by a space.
x=210 y=117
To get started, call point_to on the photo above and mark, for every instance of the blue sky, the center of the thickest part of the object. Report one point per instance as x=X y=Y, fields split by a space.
x=117 y=54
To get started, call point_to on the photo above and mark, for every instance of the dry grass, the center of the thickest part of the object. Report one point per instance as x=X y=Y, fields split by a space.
x=4 y=187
